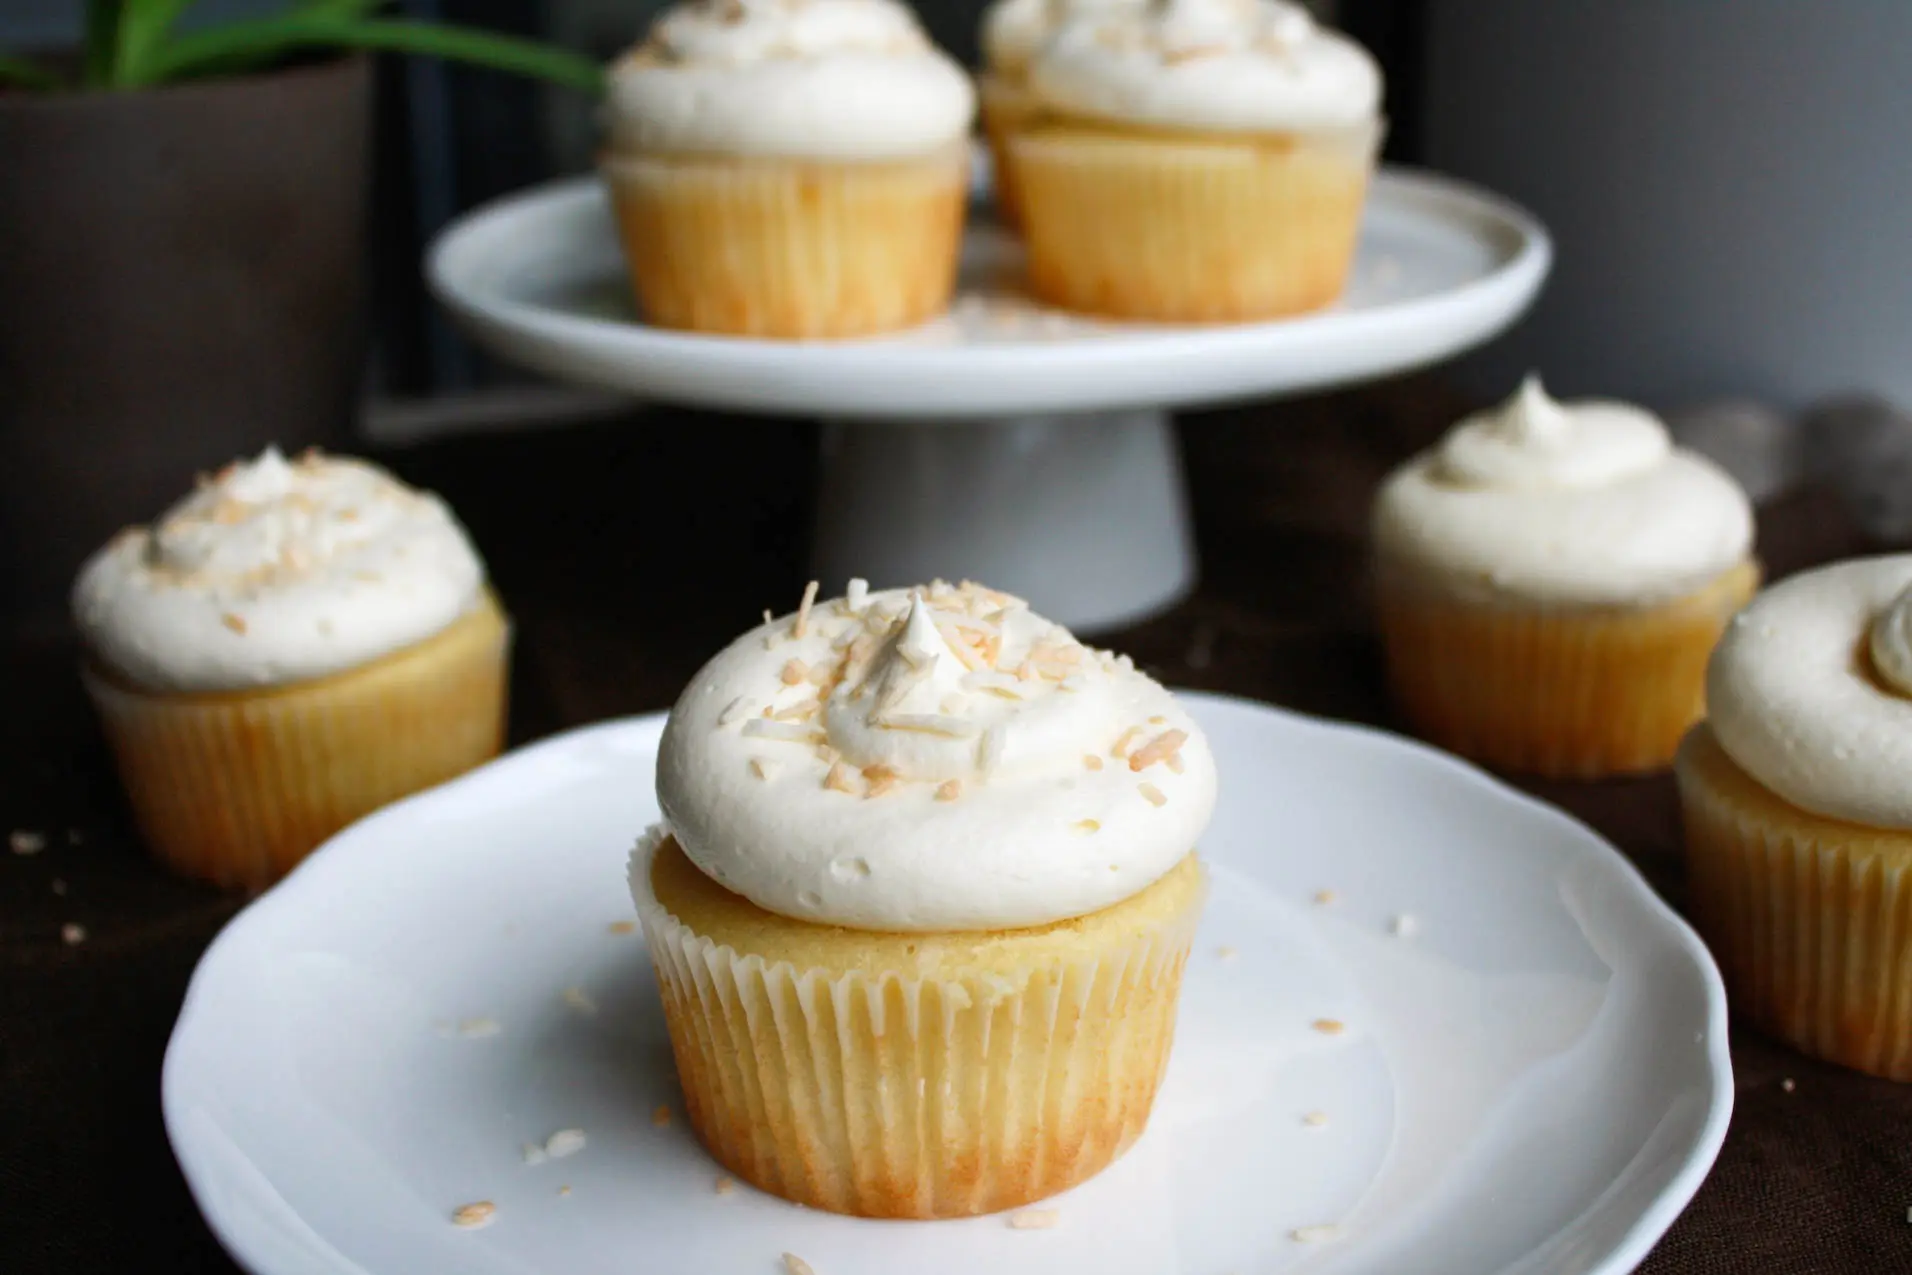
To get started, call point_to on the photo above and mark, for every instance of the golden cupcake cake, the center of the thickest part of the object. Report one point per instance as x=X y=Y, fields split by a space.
x=921 y=901
x=1013 y=32
x=1799 y=813
x=789 y=168
x=292 y=646
x=1550 y=580
x=1195 y=161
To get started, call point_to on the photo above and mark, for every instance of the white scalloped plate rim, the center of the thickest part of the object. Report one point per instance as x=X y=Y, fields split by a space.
x=273 y=1170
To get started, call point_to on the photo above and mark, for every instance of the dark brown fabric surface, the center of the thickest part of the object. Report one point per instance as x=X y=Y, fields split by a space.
x=629 y=552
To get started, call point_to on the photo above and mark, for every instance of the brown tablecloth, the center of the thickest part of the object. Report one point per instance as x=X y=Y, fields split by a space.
x=627 y=553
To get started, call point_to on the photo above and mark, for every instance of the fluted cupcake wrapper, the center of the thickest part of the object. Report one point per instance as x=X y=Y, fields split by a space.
x=1006 y=107
x=1189 y=229
x=790 y=249
x=1560 y=691
x=1810 y=918
x=887 y=1096
x=236 y=788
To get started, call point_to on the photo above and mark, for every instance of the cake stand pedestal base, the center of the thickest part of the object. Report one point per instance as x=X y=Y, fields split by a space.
x=1085 y=513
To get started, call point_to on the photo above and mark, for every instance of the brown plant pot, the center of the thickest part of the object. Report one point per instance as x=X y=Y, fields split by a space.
x=181 y=282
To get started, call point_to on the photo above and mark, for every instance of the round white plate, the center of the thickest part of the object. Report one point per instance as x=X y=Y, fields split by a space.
x=538 y=278
x=1533 y=1076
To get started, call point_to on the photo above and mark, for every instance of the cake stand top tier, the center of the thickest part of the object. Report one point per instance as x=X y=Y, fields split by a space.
x=538 y=279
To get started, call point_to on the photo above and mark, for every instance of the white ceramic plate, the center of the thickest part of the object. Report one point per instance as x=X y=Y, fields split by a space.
x=538 y=278
x=1533 y=1079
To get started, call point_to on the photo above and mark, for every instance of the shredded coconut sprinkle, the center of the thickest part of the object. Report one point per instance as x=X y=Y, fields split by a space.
x=990 y=753
x=1151 y=794
x=794 y=1265
x=1034 y=1219
x=1086 y=825
x=1329 y=1026
x=950 y=790
x=838 y=778
x=790 y=732
x=1120 y=748
x=1161 y=748
x=473 y=1216
x=927 y=724
x=802 y=625
x=1092 y=761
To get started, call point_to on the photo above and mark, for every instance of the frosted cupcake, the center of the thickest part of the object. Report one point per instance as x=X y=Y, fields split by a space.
x=789 y=168
x=1196 y=161
x=1799 y=813
x=290 y=647
x=1551 y=579
x=921 y=905
x=1014 y=31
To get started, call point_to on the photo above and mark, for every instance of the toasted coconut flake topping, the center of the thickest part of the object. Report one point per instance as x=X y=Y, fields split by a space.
x=1152 y=794
x=1161 y=748
x=880 y=779
x=927 y=724
x=794 y=1265
x=990 y=753
x=1120 y=748
x=236 y=623
x=949 y=790
x=1329 y=1026
x=991 y=680
x=802 y=625
x=1034 y=1219
x=474 y=1215
x=795 y=672
x=838 y=778
x=1092 y=761
x=1175 y=763
x=800 y=711
x=1086 y=825
x=725 y=1185
x=733 y=710
x=789 y=732
x=763 y=768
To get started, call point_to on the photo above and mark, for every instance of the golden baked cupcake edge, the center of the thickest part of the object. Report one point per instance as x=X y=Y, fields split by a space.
x=290 y=647
x=929 y=855
x=1549 y=582
x=789 y=170
x=1799 y=817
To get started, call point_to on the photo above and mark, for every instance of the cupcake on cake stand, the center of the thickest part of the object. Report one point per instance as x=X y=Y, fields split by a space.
x=1005 y=441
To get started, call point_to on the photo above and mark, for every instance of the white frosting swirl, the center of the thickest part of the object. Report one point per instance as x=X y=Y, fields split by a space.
x=275 y=571
x=1810 y=691
x=1232 y=66
x=937 y=759
x=1014 y=31
x=1586 y=503
x=804 y=79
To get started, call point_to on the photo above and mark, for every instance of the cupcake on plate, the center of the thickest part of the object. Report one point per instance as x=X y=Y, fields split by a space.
x=920 y=906
x=290 y=647
x=1799 y=813
x=789 y=168
x=1550 y=581
x=1195 y=161
x=1013 y=32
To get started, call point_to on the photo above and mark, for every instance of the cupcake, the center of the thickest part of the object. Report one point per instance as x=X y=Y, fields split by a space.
x=290 y=647
x=1799 y=813
x=789 y=168
x=1198 y=161
x=921 y=901
x=1013 y=32
x=1550 y=581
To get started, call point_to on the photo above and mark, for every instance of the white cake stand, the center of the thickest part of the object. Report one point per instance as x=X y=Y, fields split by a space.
x=1004 y=442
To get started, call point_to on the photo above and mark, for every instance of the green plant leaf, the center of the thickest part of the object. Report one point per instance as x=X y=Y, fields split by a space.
x=28 y=75
x=144 y=26
x=102 y=41
x=215 y=48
